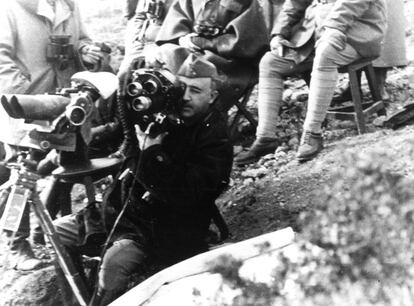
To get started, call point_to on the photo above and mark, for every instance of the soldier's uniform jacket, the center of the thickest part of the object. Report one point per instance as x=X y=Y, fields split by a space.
x=362 y=21
x=183 y=176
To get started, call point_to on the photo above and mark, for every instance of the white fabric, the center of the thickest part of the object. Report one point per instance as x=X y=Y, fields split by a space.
x=323 y=82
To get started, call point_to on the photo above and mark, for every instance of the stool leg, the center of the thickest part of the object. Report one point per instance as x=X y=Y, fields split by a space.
x=372 y=83
x=373 y=87
x=356 y=98
x=241 y=110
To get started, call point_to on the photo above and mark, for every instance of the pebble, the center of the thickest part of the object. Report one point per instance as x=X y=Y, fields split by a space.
x=255 y=173
x=248 y=181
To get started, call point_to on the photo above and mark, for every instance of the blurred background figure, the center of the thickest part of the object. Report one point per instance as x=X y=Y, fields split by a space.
x=145 y=18
x=230 y=34
x=42 y=44
x=393 y=54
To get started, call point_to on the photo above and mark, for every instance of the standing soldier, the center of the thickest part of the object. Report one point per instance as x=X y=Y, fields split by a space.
x=42 y=44
x=145 y=18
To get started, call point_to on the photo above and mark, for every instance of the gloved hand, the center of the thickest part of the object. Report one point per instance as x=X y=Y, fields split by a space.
x=145 y=140
x=186 y=42
x=334 y=37
x=91 y=54
x=276 y=45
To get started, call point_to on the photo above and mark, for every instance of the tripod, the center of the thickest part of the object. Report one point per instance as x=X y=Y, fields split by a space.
x=23 y=183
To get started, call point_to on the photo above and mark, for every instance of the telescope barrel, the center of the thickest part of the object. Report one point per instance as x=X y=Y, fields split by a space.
x=34 y=107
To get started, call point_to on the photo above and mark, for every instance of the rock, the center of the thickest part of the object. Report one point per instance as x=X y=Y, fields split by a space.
x=270 y=164
x=293 y=143
x=281 y=148
x=255 y=173
x=248 y=181
x=287 y=94
x=300 y=96
x=281 y=135
x=280 y=155
x=36 y=288
x=379 y=121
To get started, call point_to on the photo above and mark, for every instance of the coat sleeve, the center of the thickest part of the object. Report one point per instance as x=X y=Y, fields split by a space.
x=178 y=22
x=13 y=77
x=200 y=180
x=345 y=12
x=133 y=31
x=293 y=11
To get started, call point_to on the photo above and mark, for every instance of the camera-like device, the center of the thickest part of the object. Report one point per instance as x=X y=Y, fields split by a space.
x=154 y=96
x=154 y=9
x=60 y=51
x=57 y=118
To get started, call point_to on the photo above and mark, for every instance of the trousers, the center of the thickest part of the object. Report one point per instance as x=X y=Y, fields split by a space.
x=274 y=69
x=122 y=259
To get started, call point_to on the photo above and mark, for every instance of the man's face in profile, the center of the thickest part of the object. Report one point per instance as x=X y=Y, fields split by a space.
x=199 y=95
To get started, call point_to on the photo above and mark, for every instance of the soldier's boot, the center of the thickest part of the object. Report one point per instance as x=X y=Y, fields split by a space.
x=310 y=145
x=260 y=147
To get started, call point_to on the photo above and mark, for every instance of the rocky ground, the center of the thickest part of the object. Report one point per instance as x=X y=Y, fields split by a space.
x=272 y=193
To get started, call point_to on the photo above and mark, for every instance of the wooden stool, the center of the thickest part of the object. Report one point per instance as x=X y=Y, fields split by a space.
x=241 y=105
x=359 y=112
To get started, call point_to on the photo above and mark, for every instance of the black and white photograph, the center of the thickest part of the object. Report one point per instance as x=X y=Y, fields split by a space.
x=207 y=152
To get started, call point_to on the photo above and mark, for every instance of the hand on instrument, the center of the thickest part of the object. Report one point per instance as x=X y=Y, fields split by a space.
x=145 y=140
x=91 y=54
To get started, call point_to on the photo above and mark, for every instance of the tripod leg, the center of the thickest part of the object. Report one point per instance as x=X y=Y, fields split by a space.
x=72 y=275
x=49 y=197
x=66 y=291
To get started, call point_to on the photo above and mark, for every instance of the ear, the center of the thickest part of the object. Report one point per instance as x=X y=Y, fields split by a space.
x=214 y=96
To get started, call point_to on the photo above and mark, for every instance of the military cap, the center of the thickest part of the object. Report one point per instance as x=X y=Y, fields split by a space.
x=197 y=67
